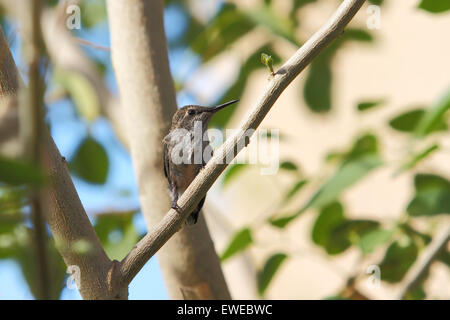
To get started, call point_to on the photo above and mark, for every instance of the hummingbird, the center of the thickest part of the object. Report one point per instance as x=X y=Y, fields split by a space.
x=184 y=149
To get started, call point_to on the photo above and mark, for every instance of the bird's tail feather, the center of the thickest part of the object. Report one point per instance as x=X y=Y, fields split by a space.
x=193 y=217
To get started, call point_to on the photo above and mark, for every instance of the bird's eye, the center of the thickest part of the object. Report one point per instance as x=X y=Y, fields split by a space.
x=191 y=112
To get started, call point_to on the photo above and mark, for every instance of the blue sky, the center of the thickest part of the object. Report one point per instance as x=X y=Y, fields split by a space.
x=120 y=190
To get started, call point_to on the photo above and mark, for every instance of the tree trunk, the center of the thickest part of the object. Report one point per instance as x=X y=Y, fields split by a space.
x=189 y=262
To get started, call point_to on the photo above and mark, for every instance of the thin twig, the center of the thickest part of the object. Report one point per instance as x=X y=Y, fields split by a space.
x=422 y=265
x=91 y=44
x=36 y=119
x=173 y=220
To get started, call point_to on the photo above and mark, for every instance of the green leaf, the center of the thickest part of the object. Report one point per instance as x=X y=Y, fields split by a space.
x=424 y=182
x=228 y=26
x=266 y=17
x=416 y=293
x=289 y=166
x=12 y=202
x=240 y=241
x=419 y=238
x=90 y=162
x=366 y=105
x=429 y=203
x=444 y=257
x=348 y=233
x=282 y=222
x=335 y=233
x=373 y=239
x=295 y=189
x=334 y=157
x=92 y=12
x=117 y=233
x=407 y=122
x=356 y=163
x=81 y=91
x=9 y=240
x=435 y=6
x=411 y=163
x=424 y=121
x=432 y=196
x=365 y=145
x=18 y=172
x=8 y=223
x=267 y=61
x=347 y=175
x=398 y=259
x=433 y=119
x=317 y=89
x=351 y=34
x=51 y=3
x=335 y=298
x=26 y=257
x=298 y=4
x=329 y=218
x=269 y=270
x=232 y=172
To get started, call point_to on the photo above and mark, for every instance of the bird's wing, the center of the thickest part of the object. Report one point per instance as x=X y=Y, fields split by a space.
x=166 y=161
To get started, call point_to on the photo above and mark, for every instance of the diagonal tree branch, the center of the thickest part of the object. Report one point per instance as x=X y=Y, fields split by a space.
x=65 y=214
x=423 y=264
x=172 y=221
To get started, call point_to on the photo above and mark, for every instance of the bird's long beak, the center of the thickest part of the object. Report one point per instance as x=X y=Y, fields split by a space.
x=220 y=107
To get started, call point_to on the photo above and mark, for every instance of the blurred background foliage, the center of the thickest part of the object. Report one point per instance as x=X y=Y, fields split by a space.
x=195 y=42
